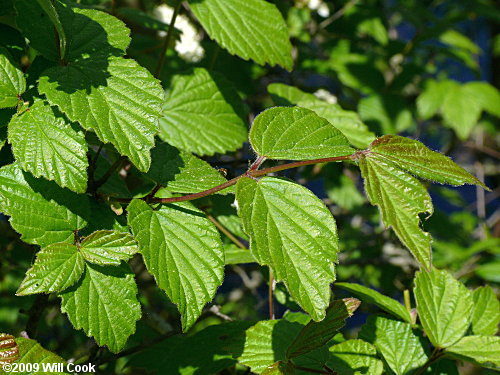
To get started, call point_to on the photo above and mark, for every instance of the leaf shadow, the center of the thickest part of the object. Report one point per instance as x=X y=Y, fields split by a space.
x=87 y=62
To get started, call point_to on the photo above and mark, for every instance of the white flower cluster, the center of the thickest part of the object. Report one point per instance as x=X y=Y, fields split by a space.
x=188 y=47
x=318 y=5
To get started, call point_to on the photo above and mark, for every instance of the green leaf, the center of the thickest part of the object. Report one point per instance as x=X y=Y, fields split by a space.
x=385 y=113
x=32 y=353
x=182 y=172
x=355 y=357
x=444 y=307
x=396 y=342
x=373 y=297
x=203 y=114
x=293 y=233
x=104 y=304
x=412 y=156
x=316 y=334
x=108 y=247
x=12 y=82
x=461 y=110
x=443 y=367
x=45 y=144
x=115 y=97
x=486 y=95
x=401 y=198
x=459 y=40
x=91 y=32
x=489 y=271
x=234 y=255
x=284 y=95
x=295 y=133
x=51 y=11
x=216 y=348
x=182 y=250
x=56 y=268
x=267 y=342
x=251 y=29
x=432 y=97
x=485 y=311
x=347 y=122
x=481 y=350
x=40 y=210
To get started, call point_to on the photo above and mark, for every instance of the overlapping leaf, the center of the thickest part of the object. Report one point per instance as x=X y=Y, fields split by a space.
x=113 y=96
x=182 y=250
x=40 y=210
x=482 y=350
x=355 y=357
x=444 y=307
x=295 y=133
x=266 y=343
x=216 y=348
x=316 y=334
x=12 y=82
x=56 y=268
x=203 y=114
x=45 y=144
x=181 y=172
x=251 y=29
x=372 y=296
x=396 y=342
x=104 y=304
x=293 y=233
x=485 y=312
x=401 y=198
x=347 y=122
x=108 y=247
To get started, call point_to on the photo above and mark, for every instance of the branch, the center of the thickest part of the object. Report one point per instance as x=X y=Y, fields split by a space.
x=250 y=173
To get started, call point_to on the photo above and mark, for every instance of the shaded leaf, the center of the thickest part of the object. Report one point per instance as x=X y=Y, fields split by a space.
x=267 y=342
x=92 y=305
x=50 y=10
x=115 y=97
x=444 y=306
x=355 y=357
x=295 y=133
x=181 y=172
x=182 y=250
x=203 y=114
x=40 y=210
x=316 y=334
x=56 y=268
x=395 y=341
x=293 y=233
x=368 y=295
x=215 y=346
x=47 y=145
x=251 y=29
